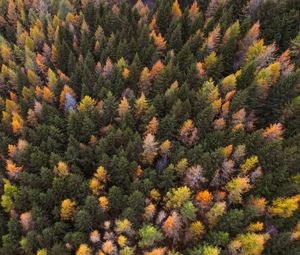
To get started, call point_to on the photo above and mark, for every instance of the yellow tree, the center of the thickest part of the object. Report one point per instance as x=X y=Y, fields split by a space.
x=141 y=8
x=210 y=60
x=188 y=133
x=139 y=171
x=67 y=209
x=225 y=108
x=103 y=201
x=159 y=40
x=12 y=169
x=266 y=77
x=122 y=240
x=8 y=196
x=182 y=165
x=156 y=68
x=249 y=164
x=215 y=213
x=156 y=251
x=17 y=123
x=165 y=147
x=87 y=104
x=84 y=249
x=42 y=252
x=5 y=53
x=150 y=149
x=228 y=150
x=62 y=169
x=52 y=79
x=248 y=244
x=145 y=81
x=154 y=195
x=36 y=33
x=149 y=211
x=176 y=11
x=176 y=197
x=216 y=105
x=123 y=227
x=255 y=50
x=211 y=250
x=296 y=232
x=172 y=89
x=250 y=38
x=284 y=207
x=11 y=106
x=196 y=230
x=141 y=105
x=194 y=10
x=123 y=107
x=236 y=187
x=232 y=32
x=125 y=73
x=152 y=126
x=255 y=227
x=41 y=62
x=12 y=150
x=228 y=83
x=48 y=95
x=273 y=132
x=33 y=78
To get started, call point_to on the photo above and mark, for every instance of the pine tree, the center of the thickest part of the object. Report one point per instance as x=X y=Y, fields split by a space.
x=163 y=15
x=175 y=40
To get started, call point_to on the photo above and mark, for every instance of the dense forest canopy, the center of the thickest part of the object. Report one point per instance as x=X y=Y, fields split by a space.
x=150 y=127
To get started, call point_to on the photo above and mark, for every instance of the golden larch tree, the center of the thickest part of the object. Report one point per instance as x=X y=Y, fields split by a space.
x=194 y=10
x=123 y=107
x=176 y=11
x=67 y=209
x=150 y=147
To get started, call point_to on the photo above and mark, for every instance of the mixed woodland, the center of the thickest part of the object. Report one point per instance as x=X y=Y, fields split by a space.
x=150 y=127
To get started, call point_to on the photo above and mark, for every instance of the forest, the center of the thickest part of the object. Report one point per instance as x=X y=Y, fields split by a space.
x=168 y=127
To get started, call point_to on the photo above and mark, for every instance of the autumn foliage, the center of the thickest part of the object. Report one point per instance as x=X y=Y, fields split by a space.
x=149 y=127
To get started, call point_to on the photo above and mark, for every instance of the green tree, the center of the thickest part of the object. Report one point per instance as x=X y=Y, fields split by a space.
x=149 y=235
